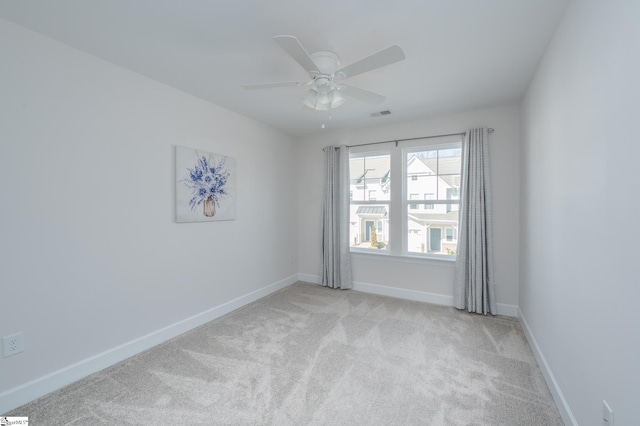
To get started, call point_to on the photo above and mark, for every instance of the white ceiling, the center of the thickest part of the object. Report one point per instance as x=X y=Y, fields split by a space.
x=460 y=54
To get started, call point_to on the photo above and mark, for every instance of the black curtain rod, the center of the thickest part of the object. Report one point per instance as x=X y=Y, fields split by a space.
x=490 y=130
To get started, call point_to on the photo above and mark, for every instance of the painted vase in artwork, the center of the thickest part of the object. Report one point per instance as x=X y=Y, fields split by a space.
x=209 y=207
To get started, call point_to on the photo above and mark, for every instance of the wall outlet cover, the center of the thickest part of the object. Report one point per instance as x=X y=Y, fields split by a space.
x=13 y=344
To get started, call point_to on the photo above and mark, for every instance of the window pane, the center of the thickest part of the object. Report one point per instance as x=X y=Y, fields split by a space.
x=432 y=227
x=369 y=226
x=432 y=231
x=434 y=172
x=370 y=177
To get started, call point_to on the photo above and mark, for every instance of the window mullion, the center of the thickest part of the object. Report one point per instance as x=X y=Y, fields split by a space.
x=396 y=223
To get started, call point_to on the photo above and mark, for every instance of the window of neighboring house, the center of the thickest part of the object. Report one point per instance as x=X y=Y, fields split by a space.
x=413 y=197
x=450 y=234
x=429 y=206
x=423 y=204
x=370 y=180
x=452 y=194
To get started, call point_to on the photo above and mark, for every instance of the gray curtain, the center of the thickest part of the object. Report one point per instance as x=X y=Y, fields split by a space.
x=474 y=285
x=336 y=260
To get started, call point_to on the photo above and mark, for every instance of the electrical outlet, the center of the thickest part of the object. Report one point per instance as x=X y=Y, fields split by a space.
x=607 y=414
x=13 y=344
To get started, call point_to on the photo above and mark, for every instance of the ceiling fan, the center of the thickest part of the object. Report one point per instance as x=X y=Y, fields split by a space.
x=325 y=77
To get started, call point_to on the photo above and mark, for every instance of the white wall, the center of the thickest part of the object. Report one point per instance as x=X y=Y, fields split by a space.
x=432 y=277
x=90 y=254
x=579 y=272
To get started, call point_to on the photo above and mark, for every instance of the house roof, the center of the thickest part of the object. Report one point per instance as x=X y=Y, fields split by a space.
x=448 y=167
x=369 y=168
x=443 y=165
x=372 y=210
x=452 y=216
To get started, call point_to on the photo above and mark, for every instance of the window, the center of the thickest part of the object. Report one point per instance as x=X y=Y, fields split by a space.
x=413 y=197
x=438 y=171
x=450 y=234
x=429 y=206
x=370 y=186
x=452 y=194
x=416 y=215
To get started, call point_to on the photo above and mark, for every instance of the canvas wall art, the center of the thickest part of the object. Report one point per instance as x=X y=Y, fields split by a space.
x=205 y=186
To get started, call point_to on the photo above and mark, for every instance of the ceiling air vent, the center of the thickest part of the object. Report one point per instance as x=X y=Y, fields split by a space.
x=380 y=113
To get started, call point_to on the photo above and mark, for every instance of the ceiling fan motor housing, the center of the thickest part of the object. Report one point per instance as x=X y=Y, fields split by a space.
x=327 y=62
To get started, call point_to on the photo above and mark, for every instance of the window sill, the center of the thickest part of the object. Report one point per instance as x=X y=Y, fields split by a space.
x=445 y=262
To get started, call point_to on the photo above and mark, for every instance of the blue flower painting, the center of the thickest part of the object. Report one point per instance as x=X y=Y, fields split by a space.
x=205 y=186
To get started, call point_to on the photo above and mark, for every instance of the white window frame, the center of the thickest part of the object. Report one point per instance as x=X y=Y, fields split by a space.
x=398 y=204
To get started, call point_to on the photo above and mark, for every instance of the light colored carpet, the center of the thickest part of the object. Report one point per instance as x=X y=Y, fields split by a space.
x=309 y=355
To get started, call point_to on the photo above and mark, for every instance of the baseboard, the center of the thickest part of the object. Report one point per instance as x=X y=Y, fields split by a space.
x=507 y=310
x=556 y=392
x=403 y=293
x=34 y=389
x=309 y=278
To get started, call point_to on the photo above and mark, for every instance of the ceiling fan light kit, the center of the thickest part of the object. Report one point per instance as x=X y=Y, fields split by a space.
x=323 y=71
x=323 y=99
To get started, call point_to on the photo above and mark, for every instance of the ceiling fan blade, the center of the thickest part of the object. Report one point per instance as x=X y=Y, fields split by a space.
x=384 y=57
x=293 y=47
x=272 y=85
x=361 y=94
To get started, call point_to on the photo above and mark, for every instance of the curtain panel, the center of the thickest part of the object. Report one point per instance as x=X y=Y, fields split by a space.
x=336 y=259
x=474 y=288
